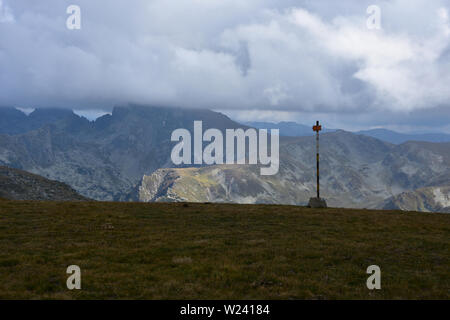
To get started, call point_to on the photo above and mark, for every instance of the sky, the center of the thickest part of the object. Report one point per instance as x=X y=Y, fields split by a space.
x=254 y=60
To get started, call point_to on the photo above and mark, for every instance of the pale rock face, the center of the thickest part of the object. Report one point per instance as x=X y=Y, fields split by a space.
x=431 y=199
x=156 y=185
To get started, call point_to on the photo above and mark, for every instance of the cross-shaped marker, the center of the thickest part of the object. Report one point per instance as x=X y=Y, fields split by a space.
x=317 y=127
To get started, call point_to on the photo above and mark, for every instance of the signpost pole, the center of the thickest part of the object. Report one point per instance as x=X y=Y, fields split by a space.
x=317 y=158
x=317 y=202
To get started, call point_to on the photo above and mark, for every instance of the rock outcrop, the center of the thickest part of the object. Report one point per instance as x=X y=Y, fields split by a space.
x=21 y=185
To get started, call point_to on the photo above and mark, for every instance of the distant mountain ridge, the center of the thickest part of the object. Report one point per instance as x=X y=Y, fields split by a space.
x=14 y=121
x=287 y=128
x=398 y=138
x=293 y=129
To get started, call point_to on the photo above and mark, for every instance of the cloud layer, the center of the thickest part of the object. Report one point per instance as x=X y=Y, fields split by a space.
x=291 y=56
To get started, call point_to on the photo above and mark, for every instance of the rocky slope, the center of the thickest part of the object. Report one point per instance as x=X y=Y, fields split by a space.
x=21 y=185
x=356 y=171
x=431 y=199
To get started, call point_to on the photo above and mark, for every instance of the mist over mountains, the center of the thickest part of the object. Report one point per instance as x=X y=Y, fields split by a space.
x=126 y=156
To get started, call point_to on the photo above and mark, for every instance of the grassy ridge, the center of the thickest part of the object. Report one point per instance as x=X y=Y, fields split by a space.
x=212 y=251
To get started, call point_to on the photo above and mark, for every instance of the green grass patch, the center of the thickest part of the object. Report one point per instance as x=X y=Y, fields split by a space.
x=219 y=251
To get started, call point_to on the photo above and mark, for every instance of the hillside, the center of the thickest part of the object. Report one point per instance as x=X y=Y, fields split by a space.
x=212 y=251
x=356 y=172
x=21 y=185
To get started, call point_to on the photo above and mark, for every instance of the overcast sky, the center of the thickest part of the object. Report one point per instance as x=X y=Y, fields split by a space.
x=253 y=60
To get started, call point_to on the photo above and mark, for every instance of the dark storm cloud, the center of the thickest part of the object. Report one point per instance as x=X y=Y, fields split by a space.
x=309 y=57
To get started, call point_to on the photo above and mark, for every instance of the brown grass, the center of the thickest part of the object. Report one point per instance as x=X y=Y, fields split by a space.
x=219 y=251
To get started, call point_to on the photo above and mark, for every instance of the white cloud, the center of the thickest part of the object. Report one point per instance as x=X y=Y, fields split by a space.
x=395 y=65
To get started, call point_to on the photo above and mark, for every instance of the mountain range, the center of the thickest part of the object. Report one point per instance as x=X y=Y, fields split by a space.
x=287 y=128
x=293 y=129
x=103 y=159
x=125 y=156
x=356 y=172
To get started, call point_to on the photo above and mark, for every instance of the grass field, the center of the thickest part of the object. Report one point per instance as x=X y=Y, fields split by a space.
x=212 y=251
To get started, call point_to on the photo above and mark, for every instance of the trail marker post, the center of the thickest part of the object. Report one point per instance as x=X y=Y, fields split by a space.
x=317 y=128
x=317 y=202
